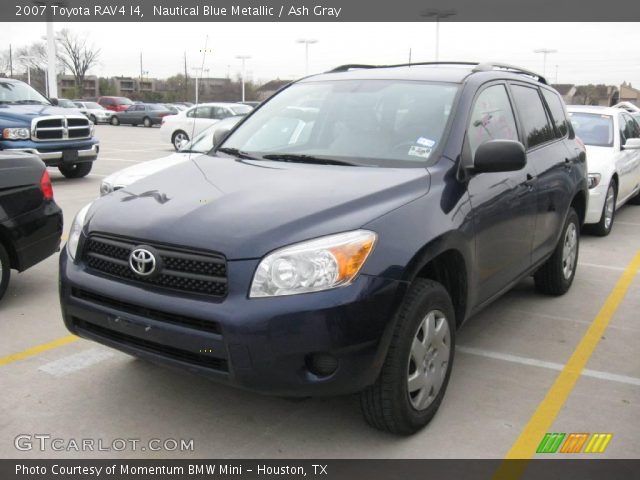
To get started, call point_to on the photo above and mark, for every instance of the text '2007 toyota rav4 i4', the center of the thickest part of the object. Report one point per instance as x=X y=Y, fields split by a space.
x=339 y=236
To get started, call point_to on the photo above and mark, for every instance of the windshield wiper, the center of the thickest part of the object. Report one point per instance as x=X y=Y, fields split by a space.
x=237 y=153
x=300 y=158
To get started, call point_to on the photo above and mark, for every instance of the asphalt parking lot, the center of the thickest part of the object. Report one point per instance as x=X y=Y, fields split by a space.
x=507 y=360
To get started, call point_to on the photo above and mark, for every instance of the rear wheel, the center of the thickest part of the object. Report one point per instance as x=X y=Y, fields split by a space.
x=178 y=138
x=556 y=275
x=147 y=122
x=115 y=120
x=604 y=226
x=93 y=119
x=5 y=270
x=414 y=377
x=76 y=170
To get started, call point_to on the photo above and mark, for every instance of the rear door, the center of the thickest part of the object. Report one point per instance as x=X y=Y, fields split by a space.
x=504 y=203
x=544 y=118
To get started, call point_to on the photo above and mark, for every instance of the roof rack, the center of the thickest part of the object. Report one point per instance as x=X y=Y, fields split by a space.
x=487 y=67
x=478 y=67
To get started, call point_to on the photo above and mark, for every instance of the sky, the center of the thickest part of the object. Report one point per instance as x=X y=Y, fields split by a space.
x=586 y=52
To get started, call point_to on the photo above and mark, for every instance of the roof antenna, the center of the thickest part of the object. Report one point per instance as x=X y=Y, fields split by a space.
x=409 y=56
x=198 y=78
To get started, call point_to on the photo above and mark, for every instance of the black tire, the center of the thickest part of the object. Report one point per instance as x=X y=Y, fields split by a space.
x=601 y=229
x=76 y=170
x=147 y=122
x=387 y=405
x=176 y=135
x=115 y=121
x=134 y=124
x=93 y=119
x=635 y=200
x=5 y=270
x=552 y=278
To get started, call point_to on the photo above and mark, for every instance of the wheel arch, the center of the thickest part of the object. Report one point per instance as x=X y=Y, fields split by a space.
x=5 y=240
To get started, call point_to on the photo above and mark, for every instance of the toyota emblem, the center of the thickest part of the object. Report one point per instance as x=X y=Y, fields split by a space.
x=142 y=262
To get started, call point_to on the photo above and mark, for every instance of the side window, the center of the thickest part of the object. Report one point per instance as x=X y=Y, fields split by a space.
x=219 y=113
x=537 y=128
x=491 y=118
x=199 y=112
x=631 y=129
x=557 y=112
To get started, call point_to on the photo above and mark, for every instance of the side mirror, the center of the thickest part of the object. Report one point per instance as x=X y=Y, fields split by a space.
x=219 y=135
x=54 y=101
x=632 y=144
x=499 y=156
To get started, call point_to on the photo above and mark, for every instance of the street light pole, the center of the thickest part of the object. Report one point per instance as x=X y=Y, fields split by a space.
x=243 y=58
x=26 y=61
x=307 y=42
x=544 y=52
x=438 y=15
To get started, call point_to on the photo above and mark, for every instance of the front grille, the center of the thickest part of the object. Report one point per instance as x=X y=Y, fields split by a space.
x=150 y=313
x=219 y=364
x=181 y=270
x=60 y=128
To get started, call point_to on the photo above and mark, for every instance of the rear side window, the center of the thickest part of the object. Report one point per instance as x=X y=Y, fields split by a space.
x=557 y=112
x=629 y=127
x=537 y=128
x=491 y=118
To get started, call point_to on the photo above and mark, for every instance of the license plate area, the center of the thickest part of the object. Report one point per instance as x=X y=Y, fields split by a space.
x=69 y=156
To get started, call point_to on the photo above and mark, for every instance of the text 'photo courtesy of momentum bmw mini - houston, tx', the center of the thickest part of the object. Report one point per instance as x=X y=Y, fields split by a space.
x=342 y=240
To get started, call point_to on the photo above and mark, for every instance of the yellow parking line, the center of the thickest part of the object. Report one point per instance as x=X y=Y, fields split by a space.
x=30 y=352
x=547 y=411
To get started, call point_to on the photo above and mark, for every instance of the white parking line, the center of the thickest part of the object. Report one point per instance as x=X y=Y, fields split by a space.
x=75 y=362
x=107 y=159
x=628 y=223
x=606 y=267
x=534 y=362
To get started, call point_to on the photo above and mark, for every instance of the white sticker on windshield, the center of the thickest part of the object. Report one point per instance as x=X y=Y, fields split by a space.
x=425 y=142
x=420 y=152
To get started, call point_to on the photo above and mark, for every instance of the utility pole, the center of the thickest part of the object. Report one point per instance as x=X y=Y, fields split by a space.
x=438 y=15
x=243 y=58
x=141 y=71
x=10 y=62
x=186 y=78
x=306 y=42
x=545 y=52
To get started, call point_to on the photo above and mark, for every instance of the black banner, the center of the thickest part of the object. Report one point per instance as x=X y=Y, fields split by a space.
x=318 y=11
x=556 y=469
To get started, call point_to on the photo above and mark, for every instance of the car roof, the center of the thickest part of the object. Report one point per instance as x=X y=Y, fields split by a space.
x=595 y=109
x=217 y=104
x=451 y=72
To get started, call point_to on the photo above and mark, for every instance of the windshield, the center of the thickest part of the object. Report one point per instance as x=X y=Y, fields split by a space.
x=372 y=122
x=593 y=129
x=123 y=101
x=20 y=93
x=63 y=102
x=93 y=106
x=240 y=109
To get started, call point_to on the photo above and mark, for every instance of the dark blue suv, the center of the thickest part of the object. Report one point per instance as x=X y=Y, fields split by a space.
x=60 y=137
x=339 y=235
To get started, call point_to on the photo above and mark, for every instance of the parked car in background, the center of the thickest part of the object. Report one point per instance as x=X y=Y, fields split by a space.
x=61 y=137
x=251 y=103
x=628 y=106
x=147 y=114
x=115 y=104
x=612 y=140
x=179 y=128
x=30 y=220
x=203 y=143
x=336 y=248
x=64 y=103
x=93 y=111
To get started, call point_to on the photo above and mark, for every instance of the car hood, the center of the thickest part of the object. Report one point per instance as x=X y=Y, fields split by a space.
x=244 y=208
x=127 y=176
x=25 y=113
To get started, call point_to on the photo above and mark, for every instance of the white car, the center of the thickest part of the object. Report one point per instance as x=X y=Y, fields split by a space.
x=201 y=144
x=94 y=111
x=612 y=140
x=178 y=129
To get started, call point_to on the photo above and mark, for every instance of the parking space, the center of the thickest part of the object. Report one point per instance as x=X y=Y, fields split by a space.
x=507 y=359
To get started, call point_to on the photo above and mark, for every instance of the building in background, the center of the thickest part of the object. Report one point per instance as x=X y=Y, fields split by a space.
x=67 y=87
x=269 y=88
x=629 y=94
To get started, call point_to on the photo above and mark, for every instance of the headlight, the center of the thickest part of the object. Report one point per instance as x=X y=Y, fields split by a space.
x=16 y=133
x=105 y=188
x=594 y=180
x=76 y=230
x=314 y=265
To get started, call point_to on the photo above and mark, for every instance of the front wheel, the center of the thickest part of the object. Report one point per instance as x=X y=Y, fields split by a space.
x=147 y=122
x=5 y=270
x=415 y=374
x=604 y=226
x=179 y=138
x=556 y=275
x=76 y=170
x=93 y=119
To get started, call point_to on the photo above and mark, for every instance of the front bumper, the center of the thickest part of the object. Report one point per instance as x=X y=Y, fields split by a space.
x=54 y=157
x=263 y=345
x=597 y=197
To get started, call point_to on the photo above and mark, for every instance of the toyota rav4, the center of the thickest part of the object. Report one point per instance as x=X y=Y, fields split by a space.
x=339 y=236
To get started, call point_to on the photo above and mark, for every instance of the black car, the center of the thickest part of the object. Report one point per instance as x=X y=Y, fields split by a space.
x=339 y=236
x=147 y=114
x=30 y=220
